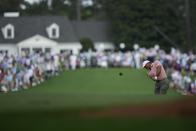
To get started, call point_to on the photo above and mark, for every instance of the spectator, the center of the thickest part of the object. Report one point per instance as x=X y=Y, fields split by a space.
x=18 y=72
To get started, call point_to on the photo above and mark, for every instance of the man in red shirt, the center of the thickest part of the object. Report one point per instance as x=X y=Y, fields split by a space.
x=158 y=74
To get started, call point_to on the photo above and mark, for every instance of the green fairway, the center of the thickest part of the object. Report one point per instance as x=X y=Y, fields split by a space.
x=85 y=88
x=56 y=103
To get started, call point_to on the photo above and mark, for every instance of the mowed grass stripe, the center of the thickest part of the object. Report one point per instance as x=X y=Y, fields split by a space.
x=100 y=81
x=85 y=88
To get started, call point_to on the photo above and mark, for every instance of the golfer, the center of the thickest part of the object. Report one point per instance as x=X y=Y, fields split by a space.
x=158 y=74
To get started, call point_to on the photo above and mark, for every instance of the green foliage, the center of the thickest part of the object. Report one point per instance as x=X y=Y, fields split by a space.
x=36 y=8
x=58 y=8
x=87 y=12
x=9 y=5
x=86 y=44
x=193 y=21
x=133 y=21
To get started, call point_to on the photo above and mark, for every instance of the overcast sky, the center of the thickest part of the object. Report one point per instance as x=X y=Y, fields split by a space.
x=32 y=1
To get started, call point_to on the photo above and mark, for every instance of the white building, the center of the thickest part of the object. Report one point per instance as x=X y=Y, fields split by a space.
x=97 y=31
x=48 y=33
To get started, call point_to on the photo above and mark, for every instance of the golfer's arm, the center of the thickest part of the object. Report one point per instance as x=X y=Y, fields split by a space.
x=151 y=77
x=158 y=71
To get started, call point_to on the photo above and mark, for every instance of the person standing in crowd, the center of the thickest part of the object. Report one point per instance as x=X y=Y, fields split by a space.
x=19 y=72
x=73 y=61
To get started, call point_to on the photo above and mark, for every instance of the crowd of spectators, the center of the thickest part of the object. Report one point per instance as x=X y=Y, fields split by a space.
x=180 y=67
x=23 y=72
x=26 y=71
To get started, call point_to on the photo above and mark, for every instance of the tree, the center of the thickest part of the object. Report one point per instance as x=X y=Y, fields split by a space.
x=73 y=9
x=57 y=7
x=134 y=21
x=10 y=5
x=192 y=23
x=86 y=44
x=36 y=8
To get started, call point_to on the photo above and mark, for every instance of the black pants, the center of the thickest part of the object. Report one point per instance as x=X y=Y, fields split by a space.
x=161 y=87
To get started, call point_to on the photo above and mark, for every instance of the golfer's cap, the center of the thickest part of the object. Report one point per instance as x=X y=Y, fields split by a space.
x=144 y=63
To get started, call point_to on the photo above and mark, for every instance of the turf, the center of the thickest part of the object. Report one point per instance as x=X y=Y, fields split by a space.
x=60 y=123
x=56 y=103
x=85 y=88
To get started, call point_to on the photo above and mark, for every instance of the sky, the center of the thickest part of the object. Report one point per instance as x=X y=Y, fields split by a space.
x=32 y=1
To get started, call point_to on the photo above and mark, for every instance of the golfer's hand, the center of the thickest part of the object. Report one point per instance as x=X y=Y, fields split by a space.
x=155 y=78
